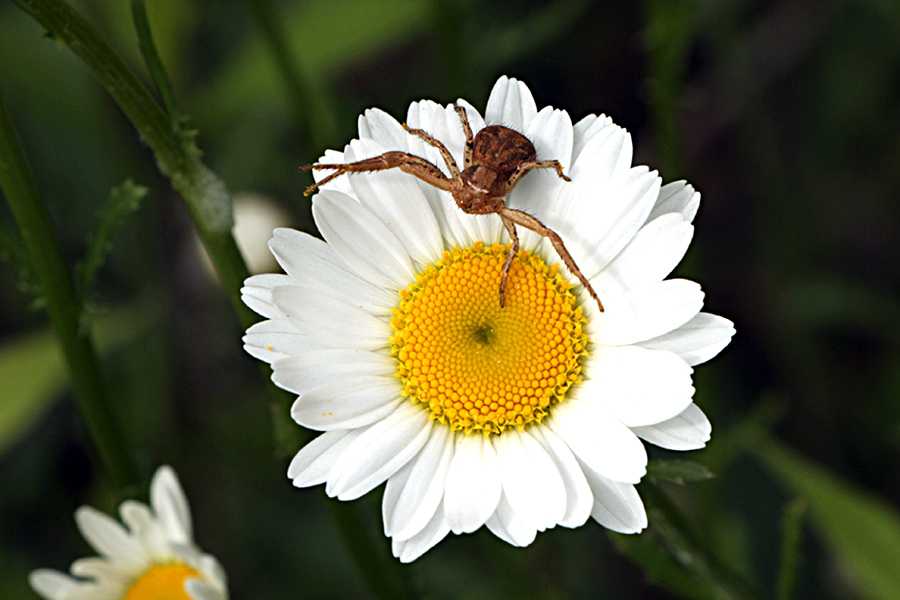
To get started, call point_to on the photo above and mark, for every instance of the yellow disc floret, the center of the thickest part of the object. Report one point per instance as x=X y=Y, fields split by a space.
x=476 y=365
x=162 y=582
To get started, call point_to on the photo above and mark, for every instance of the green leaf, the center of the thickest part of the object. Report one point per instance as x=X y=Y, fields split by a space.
x=31 y=372
x=659 y=567
x=674 y=556
x=791 y=530
x=123 y=201
x=862 y=529
x=153 y=62
x=678 y=471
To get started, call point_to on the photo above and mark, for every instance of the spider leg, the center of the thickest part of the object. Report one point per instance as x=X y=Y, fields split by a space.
x=525 y=167
x=525 y=220
x=464 y=119
x=432 y=141
x=408 y=163
x=510 y=255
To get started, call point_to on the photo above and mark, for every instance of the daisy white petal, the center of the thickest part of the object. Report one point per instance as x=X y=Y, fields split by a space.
x=434 y=531
x=599 y=440
x=362 y=241
x=617 y=382
x=399 y=202
x=202 y=590
x=688 y=430
x=379 y=126
x=531 y=482
x=143 y=525
x=170 y=505
x=108 y=538
x=348 y=403
x=313 y=463
x=511 y=104
x=509 y=526
x=257 y=293
x=606 y=231
x=414 y=493
x=274 y=339
x=154 y=558
x=579 y=499
x=305 y=371
x=210 y=566
x=114 y=578
x=51 y=584
x=597 y=169
x=677 y=197
x=617 y=506
x=348 y=326
x=517 y=412
x=604 y=153
x=585 y=129
x=379 y=452
x=307 y=259
x=650 y=255
x=552 y=134
x=647 y=312
x=473 y=484
x=696 y=341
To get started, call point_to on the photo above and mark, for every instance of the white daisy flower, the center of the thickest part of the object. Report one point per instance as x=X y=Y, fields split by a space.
x=153 y=559
x=519 y=418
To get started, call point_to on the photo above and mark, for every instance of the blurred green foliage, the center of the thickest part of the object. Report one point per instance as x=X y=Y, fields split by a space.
x=783 y=113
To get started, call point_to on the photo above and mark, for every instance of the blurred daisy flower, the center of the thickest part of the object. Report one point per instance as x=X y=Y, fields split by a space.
x=518 y=418
x=153 y=558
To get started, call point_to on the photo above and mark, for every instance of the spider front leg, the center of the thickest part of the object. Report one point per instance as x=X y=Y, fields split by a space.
x=432 y=141
x=518 y=217
x=408 y=163
x=525 y=167
x=464 y=119
x=510 y=255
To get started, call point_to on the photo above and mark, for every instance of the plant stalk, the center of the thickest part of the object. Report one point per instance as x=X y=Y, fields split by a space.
x=177 y=156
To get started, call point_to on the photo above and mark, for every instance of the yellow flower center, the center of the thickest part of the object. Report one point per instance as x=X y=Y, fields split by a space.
x=476 y=365
x=162 y=582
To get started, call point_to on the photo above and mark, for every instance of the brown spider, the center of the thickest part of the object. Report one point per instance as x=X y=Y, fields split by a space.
x=495 y=160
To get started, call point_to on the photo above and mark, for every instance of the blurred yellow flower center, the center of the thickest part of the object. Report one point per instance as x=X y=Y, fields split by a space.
x=475 y=365
x=162 y=582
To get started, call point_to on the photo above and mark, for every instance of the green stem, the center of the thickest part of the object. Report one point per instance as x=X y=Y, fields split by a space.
x=63 y=305
x=310 y=117
x=154 y=63
x=176 y=154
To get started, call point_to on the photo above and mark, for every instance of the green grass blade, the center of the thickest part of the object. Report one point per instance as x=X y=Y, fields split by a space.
x=862 y=529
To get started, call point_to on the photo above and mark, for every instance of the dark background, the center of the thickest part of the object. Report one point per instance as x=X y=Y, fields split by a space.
x=783 y=114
